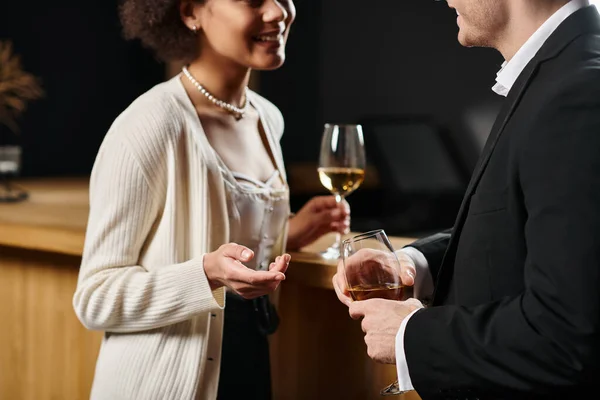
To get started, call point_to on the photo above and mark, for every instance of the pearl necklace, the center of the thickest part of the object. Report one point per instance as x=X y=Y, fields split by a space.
x=237 y=112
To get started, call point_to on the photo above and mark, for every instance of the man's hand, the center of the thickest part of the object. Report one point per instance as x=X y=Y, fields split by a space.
x=381 y=321
x=368 y=266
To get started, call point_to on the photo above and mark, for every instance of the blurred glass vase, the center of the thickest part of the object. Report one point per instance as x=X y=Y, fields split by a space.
x=10 y=164
x=17 y=89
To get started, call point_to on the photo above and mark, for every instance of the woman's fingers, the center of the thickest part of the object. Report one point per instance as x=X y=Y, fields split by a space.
x=237 y=272
x=281 y=263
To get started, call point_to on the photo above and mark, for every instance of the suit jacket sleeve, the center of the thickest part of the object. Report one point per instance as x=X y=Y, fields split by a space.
x=545 y=340
x=433 y=248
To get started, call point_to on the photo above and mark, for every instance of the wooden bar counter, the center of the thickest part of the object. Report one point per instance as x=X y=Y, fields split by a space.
x=45 y=353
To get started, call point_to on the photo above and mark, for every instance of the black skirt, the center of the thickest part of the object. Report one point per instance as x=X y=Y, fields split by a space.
x=245 y=366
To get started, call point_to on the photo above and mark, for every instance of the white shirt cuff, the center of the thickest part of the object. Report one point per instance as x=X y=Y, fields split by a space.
x=401 y=365
x=423 y=287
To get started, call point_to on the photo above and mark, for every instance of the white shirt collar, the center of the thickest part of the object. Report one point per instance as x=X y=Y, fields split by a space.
x=511 y=70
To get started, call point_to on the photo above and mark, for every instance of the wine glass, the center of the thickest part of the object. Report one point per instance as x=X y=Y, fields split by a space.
x=341 y=167
x=372 y=270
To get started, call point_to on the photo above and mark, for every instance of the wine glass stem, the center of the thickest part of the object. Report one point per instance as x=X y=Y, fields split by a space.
x=338 y=236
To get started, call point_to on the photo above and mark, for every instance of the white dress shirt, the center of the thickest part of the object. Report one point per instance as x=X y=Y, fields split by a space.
x=505 y=79
x=511 y=70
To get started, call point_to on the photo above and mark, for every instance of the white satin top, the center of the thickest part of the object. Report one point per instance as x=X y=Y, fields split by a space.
x=257 y=212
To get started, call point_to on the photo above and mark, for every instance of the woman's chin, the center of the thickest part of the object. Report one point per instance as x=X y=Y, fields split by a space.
x=267 y=63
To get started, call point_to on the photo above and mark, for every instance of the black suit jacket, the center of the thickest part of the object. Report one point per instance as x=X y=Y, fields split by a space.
x=516 y=308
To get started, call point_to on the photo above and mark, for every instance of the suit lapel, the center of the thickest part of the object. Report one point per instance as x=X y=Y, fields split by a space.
x=506 y=112
x=582 y=21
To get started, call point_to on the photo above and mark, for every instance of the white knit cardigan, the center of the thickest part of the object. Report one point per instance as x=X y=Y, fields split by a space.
x=157 y=205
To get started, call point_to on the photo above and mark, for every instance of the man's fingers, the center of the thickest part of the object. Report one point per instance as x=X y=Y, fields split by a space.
x=359 y=264
x=361 y=308
x=357 y=309
x=408 y=276
x=366 y=254
x=340 y=285
x=340 y=268
x=409 y=272
x=340 y=290
x=363 y=326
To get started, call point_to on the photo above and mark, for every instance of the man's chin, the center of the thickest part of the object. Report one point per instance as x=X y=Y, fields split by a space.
x=473 y=40
x=463 y=39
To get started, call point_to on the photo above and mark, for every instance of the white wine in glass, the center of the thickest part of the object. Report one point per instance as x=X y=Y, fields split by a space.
x=342 y=163
x=339 y=180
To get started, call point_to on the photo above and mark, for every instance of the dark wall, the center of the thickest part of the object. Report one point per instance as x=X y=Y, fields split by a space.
x=346 y=59
x=352 y=59
x=294 y=87
x=90 y=74
x=349 y=59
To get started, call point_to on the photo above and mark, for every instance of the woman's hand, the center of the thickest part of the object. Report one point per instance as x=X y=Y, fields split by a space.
x=320 y=215
x=224 y=267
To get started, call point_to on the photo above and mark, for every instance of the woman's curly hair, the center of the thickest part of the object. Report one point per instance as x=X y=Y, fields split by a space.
x=158 y=25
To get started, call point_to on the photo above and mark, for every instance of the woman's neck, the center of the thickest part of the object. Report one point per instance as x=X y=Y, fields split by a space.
x=225 y=81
